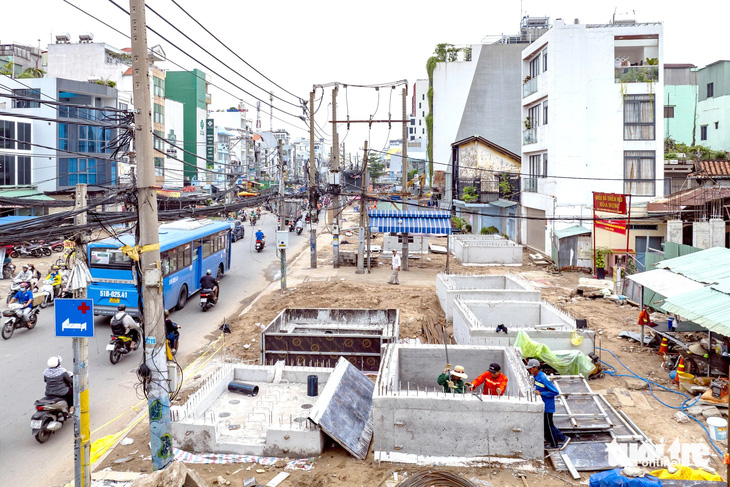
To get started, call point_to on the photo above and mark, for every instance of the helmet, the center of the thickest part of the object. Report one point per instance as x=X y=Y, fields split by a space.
x=122 y=307
x=54 y=362
x=25 y=266
x=208 y=272
x=260 y=230
x=24 y=285
x=55 y=268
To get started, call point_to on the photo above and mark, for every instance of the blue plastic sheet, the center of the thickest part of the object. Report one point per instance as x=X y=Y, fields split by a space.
x=613 y=478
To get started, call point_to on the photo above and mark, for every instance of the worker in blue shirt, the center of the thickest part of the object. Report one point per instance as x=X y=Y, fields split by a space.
x=547 y=391
x=25 y=298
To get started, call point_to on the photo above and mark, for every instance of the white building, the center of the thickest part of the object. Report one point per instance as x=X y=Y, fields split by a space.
x=600 y=133
x=419 y=110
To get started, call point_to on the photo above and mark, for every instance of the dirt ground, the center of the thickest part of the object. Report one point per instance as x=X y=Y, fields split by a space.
x=417 y=304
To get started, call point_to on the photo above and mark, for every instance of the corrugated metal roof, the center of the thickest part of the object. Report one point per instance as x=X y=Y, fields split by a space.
x=723 y=286
x=709 y=266
x=31 y=194
x=502 y=203
x=706 y=307
x=665 y=282
x=571 y=231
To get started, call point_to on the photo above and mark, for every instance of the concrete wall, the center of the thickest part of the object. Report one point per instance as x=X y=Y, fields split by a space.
x=414 y=421
x=475 y=320
x=416 y=244
x=487 y=287
x=494 y=252
x=701 y=235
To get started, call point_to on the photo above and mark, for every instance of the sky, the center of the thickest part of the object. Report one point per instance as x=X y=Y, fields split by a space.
x=298 y=44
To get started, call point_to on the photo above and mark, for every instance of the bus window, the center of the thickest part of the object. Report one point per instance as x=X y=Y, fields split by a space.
x=186 y=255
x=109 y=258
x=208 y=244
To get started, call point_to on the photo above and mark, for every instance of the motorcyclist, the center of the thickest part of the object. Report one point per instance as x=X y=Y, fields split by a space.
x=35 y=276
x=54 y=279
x=123 y=324
x=260 y=235
x=25 y=298
x=59 y=382
x=300 y=225
x=172 y=332
x=209 y=282
x=24 y=275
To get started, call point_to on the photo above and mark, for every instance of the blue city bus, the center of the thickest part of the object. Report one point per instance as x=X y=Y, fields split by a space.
x=187 y=249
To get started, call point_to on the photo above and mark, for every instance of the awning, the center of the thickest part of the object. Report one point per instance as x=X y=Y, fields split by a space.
x=418 y=222
x=572 y=231
x=31 y=194
x=706 y=307
x=665 y=282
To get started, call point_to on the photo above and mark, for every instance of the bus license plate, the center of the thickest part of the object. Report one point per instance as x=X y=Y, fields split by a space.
x=110 y=347
x=36 y=424
x=114 y=300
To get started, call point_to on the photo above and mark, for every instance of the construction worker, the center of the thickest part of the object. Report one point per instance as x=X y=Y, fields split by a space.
x=554 y=438
x=495 y=382
x=452 y=381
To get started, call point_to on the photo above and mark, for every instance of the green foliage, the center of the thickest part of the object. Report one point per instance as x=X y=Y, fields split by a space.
x=429 y=97
x=652 y=61
x=694 y=152
x=7 y=69
x=490 y=231
x=470 y=194
x=637 y=74
x=442 y=50
x=601 y=254
x=505 y=188
x=109 y=83
x=467 y=54
x=467 y=228
x=458 y=222
x=431 y=66
x=527 y=123
x=376 y=166
x=412 y=174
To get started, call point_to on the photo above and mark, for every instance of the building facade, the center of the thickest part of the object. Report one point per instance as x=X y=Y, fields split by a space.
x=589 y=123
x=713 y=106
x=419 y=110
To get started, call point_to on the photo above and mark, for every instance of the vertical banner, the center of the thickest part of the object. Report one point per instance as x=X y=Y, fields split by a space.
x=209 y=143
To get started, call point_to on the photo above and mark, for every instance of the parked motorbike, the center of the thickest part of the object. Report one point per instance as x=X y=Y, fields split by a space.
x=8 y=271
x=207 y=299
x=259 y=245
x=25 y=250
x=50 y=414
x=121 y=345
x=15 y=320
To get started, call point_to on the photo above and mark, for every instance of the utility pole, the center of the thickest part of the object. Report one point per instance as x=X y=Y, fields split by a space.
x=82 y=436
x=404 y=178
x=282 y=223
x=335 y=166
x=361 y=230
x=152 y=313
x=313 y=188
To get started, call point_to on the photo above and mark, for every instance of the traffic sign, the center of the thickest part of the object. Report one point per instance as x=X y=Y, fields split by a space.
x=75 y=318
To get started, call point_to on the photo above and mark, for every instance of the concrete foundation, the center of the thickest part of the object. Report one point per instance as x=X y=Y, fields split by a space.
x=319 y=337
x=475 y=322
x=272 y=423
x=674 y=231
x=701 y=235
x=414 y=421
x=485 y=250
x=508 y=287
x=717 y=232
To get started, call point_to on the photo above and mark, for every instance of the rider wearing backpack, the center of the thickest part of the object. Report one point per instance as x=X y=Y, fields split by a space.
x=123 y=324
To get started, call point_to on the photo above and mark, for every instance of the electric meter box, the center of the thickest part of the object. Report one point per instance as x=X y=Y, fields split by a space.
x=334 y=178
x=282 y=239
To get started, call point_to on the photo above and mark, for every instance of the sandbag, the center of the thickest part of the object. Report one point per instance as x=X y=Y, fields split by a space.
x=565 y=362
x=613 y=478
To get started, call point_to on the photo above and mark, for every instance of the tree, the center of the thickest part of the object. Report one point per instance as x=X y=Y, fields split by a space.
x=32 y=73
x=376 y=166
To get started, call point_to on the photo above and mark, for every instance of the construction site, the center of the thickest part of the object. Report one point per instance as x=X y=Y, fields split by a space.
x=346 y=394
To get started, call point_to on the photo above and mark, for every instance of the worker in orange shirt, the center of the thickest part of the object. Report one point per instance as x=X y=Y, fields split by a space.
x=495 y=382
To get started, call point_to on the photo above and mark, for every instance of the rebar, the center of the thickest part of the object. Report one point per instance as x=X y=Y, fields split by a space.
x=436 y=479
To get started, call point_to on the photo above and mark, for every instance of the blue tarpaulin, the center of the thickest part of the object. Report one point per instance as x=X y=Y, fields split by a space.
x=419 y=222
x=613 y=478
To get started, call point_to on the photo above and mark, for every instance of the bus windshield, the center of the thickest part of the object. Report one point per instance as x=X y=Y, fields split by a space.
x=109 y=258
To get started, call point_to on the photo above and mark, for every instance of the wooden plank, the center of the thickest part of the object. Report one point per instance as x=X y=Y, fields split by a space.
x=571 y=468
x=623 y=397
x=640 y=401
x=277 y=480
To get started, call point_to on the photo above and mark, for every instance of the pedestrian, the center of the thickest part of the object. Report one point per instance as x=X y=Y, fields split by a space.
x=395 y=265
x=554 y=438
x=495 y=382
x=452 y=381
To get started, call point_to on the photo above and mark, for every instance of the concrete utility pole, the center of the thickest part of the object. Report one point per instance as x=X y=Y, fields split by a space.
x=335 y=166
x=82 y=436
x=282 y=223
x=404 y=178
x=363 y=210
x=157 y=388
x=312 y=188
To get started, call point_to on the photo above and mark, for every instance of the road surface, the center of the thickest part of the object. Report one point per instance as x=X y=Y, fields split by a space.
x=23 y=461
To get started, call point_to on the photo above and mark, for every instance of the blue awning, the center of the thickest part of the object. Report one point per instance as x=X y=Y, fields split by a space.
x=423 y=222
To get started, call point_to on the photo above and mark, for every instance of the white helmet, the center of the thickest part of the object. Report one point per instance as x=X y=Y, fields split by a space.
x=54 y=362
x=208 y=272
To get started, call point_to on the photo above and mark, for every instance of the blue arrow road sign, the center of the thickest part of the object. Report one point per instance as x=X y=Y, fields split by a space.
x=75 y=318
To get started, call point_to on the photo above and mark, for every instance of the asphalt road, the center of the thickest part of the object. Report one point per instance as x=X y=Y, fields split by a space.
x=23 y=461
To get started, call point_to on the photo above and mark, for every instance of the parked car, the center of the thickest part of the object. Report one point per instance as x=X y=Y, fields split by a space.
x=237 y=230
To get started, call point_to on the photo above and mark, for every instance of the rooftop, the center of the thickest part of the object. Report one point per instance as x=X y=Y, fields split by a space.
x=713 y=169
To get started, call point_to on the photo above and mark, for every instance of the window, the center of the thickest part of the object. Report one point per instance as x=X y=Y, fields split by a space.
x=24 y=170
x=423 y=97
x=73 y=171
x=63 y=136
x=638 y=117
x=419 y=121
x=159 y=166
x=413 y=121
x=114 y=258
x=419 y=104
x=545 y=112
x=544 y=60
x=710 y=90
x=639 y=173
x=668 y=112
x=535 y=67
x=158 y=88
x=7 y=134
x=534 y=114
x=538 y=165
x=23 y=136
x=717 y=125
x=7 y=170
x=159 y=113
x=123 y=106
x=157 y=141
x=35 y=94
x=703 y=132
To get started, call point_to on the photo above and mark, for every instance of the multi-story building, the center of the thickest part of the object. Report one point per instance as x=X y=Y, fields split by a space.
x=419 y=110
x=680 y=102
x=713 y=107
x=589 y=120
x=21 y=58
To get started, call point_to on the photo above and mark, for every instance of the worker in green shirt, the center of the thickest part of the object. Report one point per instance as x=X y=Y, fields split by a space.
x=453 y=381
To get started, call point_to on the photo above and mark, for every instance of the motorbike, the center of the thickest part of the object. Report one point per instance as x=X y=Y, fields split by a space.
x=120 y=345
x=252 y=219
x=207 y=299
x=25 y=251
x=14 y=288
x=259 y=245
x=15 y=320
x=291 y=226
x=299 y=227
x=8 y=271
x=50 y=414
x=50 y=294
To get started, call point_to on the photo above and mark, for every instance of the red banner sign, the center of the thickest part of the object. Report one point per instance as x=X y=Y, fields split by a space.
x=610 y=203
x=615 y=226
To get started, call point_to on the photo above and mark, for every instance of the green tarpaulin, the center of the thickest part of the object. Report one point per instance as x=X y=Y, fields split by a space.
x=565 y=362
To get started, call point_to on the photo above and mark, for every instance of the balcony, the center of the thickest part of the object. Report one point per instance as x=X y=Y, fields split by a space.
x=636 y=74
x=489 y=190
x=530 y=185
x=529 y=136
x=529 y=88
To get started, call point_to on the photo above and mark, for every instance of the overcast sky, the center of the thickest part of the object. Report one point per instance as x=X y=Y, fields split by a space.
x=299 y=43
